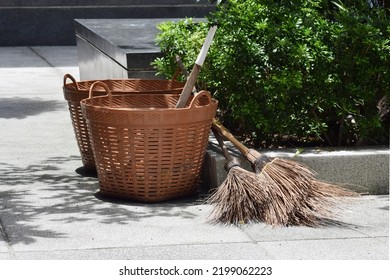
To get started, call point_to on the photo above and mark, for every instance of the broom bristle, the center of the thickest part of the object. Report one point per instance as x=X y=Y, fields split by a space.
x=246 y=197
x=285 y=193
x=239 y=199
x=298 y=197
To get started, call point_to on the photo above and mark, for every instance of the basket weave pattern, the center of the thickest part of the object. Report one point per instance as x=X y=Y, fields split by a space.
x=145 y=149
x=74 y=92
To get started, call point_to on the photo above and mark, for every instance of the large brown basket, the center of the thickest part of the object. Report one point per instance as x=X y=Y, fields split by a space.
x=144 y=148
x=74 y=92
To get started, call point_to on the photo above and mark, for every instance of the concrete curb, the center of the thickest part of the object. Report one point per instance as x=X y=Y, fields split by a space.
x=365 y=169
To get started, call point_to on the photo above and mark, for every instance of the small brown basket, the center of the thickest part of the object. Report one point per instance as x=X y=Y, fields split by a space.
x=74 y=92
x=145 y=149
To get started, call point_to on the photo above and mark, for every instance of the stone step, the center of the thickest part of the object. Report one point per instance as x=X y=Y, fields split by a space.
x=40 y=24
x=69 y=3
x=118 y=48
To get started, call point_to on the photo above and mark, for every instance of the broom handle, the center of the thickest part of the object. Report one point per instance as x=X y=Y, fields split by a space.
x=222 y=145
x=217 y=127
x=190 y=83
x=182 y=68
x=223 y=131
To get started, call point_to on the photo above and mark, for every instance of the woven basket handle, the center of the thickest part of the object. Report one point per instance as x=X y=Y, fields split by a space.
x=70 y=77
x=106 y=88
x=198 y=96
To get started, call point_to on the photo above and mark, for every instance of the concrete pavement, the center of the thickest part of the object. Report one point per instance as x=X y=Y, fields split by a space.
x=49 y=211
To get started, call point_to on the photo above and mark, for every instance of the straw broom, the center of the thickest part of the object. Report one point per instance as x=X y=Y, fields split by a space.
x=297 y=197
x=246 y=197
x=241 y=197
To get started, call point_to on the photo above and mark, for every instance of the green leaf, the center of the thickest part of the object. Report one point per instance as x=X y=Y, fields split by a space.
x=299 y=151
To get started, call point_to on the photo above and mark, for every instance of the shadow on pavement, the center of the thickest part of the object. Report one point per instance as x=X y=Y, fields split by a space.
x=33 y=197
x=20 y=108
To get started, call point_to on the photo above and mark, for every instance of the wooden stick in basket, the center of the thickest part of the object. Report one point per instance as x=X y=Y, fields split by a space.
x=190 y=83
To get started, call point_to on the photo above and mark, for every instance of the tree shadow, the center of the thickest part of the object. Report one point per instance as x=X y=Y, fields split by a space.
x=20 y=108
x=50 y=190
x=16 y=212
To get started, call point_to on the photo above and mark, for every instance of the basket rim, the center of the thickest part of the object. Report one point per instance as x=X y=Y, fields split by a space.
x=87 y=103
x=72 y=86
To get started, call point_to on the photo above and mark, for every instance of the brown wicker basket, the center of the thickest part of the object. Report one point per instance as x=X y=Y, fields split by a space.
x=144 y=148
x=74 y=92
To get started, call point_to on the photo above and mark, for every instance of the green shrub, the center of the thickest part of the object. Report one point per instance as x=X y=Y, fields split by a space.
x=309 y=72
